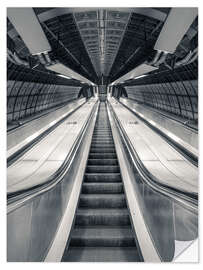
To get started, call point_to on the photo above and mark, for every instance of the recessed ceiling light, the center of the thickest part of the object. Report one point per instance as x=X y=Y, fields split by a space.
x=63 y=76
x=141 y=76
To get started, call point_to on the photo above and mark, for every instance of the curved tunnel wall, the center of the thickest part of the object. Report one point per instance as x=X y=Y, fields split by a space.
x=31 y=91
x=28 y=98
x=179 y=98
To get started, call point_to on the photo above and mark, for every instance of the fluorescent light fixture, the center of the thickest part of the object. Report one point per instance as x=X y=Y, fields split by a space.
x=136 y=72
x=63 y=76
x=64 y=70
x=152 y=122
x=174 y=137
x=141 y=114
x=52 y=123
x=174 y=28
x=141 y=76
x=32 y=137
x=28 y=27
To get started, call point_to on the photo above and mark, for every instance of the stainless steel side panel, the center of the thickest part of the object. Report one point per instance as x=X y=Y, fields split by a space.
x=32 y=225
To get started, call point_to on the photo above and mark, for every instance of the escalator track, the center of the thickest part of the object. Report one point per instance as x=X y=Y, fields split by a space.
x=102 y=230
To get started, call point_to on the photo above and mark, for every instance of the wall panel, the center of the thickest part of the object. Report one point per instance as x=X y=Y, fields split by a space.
x=28 y=98
x=179 y=98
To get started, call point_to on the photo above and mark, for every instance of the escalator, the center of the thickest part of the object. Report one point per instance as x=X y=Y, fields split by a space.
x=102 y=231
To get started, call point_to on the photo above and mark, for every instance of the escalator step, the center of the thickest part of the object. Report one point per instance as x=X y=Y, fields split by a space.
x=104 y=141
x=102 y=201
x=102 y=162
x=102 y=150
x=105 y=177
x=101 y=144
x=102 y=216
x=101 y=254
x=98 y=236
x=102 y=188
x=102 y=138
x=102 y=169
x=102 y=155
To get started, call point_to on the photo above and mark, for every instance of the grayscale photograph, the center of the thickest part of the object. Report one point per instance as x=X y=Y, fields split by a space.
x=102 y=133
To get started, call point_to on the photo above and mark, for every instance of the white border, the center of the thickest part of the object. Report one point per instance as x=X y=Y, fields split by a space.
x=74 y=3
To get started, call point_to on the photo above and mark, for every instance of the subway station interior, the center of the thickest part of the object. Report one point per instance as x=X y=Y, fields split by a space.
x=102 y=134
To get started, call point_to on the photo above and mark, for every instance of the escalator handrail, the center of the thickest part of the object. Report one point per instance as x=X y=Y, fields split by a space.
x=15 y=199
x=186 y=198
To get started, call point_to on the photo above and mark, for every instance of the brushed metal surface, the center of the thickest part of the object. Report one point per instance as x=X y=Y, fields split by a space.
x=32 y=224
x=167 y=221
x=166 y=166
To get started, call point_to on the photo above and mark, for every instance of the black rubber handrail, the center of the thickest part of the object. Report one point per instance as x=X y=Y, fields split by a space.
x=56 y=177
x=15 y=156
x=187 y=198
x=182 y=150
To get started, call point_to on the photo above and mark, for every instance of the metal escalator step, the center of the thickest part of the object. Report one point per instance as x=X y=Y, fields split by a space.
x=102 y=216
x=102 y=134
x=102 y=201
x=103 y=141
x=103 y=130
x=101 y=138
x=103 y=150
x=103 y=236
x=102 y=146
x=101 y=254
x=102 y=155
x=102 y=162
x=102 y=177
x=102 y=188
x=102 y=169
x=107 y=131
x=98 y=133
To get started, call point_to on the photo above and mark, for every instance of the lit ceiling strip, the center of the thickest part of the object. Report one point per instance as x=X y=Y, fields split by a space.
x=28 y=27
x=174 y=28
x=61 y=69
x=138 y=71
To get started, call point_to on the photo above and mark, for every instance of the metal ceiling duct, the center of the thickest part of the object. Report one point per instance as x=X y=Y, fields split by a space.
x=28 y=27
x=61 y=69
x=138 y=71
x=174 y=28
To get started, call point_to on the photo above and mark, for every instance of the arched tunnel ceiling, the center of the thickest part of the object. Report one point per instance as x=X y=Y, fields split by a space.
x=101 y=44
x=102 y=30
x=97 y=42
